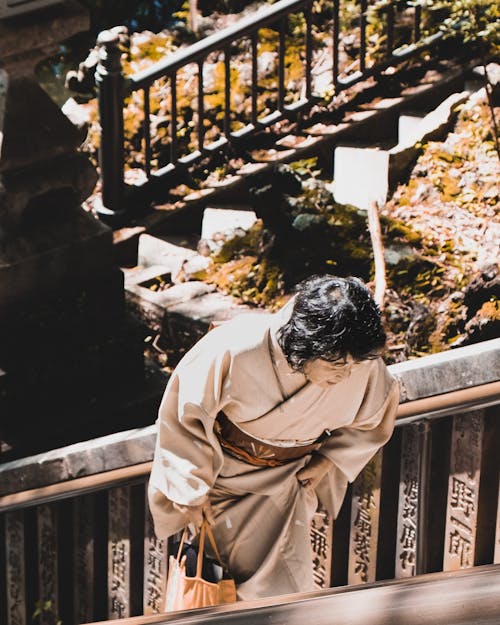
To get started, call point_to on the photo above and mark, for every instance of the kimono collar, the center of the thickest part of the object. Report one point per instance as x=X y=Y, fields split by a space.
x=288 y=379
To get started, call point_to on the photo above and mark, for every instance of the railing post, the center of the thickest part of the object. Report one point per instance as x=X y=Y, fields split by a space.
x=110 y=81
x=425 y=449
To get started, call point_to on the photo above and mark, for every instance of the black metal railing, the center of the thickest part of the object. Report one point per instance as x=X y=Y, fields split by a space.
x=113 y=88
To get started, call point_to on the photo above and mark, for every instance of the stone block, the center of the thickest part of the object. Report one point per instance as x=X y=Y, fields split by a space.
x=36 y=190
x=26 y=140
x=208 y=308
x=361 y=175
x=365 y=174
x=433 y=126
x=77 y=114
x=408 y=125
x=196 y=266
x=143 y=276
x=70 y=249
x=84 y=458
x=493 y=72
x=153 y=308
x=465 y=367
x=434 y=123
x=155 y=251
x=185 y=323
x=174 y=294
x=126 y=244
x=226 y=220
x=42 y=30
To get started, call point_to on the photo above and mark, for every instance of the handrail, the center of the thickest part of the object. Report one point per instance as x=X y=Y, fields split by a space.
x=429 y=408
x=462 y=597
x=263 y=16
x=70 y=488
x=112 y=87
x=441 y=405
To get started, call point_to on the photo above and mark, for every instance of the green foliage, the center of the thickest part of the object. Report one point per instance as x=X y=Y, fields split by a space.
x=306 y=167
x=471 y=21
x=137 y=15
x=44 y=610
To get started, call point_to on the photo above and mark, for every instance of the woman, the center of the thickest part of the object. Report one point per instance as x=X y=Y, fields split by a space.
x=266 y=415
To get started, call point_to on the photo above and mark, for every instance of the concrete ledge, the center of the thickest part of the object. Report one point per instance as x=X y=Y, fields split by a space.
x=423 y=377
x=86 y=458
x=465 y=367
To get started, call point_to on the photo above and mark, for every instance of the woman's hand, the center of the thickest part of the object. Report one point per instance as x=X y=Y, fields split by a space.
x=314 y=471
x=195 y=514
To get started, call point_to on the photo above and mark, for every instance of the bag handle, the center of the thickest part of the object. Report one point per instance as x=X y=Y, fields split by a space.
x=211 y=538
x=201 y=550
x=206 y=530
x=181 y=544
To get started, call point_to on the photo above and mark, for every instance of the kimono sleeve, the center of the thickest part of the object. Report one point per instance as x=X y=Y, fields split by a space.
x=350 y=448
x=188 y=456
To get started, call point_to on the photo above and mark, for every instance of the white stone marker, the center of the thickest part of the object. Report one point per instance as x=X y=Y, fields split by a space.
x=409 y=126
x=225 y=220
x=361 y=176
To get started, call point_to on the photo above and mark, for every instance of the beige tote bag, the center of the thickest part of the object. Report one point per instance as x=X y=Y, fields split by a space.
x=186 y=593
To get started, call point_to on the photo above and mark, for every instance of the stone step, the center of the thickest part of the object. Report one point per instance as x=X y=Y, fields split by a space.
x=409 y=124
x=364 y=174
x=220 y=221
x=71 y=248
x=313 y=137
x=161 y=291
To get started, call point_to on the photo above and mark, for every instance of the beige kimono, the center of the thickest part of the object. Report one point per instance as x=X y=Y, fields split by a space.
x=262 y=514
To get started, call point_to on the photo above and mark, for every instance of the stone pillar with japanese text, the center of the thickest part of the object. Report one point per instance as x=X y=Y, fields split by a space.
x=119 y=540
x=15 y=577
x=47 y=522
x=84 y=559
x=463 y=491
x=411 y=533
x=365 y=515
x=155 y=569
x=322 y=543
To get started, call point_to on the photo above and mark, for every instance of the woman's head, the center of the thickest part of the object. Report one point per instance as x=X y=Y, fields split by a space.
x=333 y=319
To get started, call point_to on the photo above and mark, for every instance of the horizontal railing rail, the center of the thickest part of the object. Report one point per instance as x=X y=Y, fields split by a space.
x=427 y=502
x=459 y=598
x=218 y=41
x=281 y=100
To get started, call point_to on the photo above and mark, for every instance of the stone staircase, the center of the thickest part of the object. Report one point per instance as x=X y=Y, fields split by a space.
x=368 y=152
x=369 y=115
x=381 y=166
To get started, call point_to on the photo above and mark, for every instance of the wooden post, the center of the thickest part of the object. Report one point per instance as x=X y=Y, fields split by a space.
x=110 y=85
x=411 y=534
x=83 y=572
x=155 y=568
x=119 y=553
x=365 y=514
x=321 y=542
x=15 y=577
x=463 y=491
x=48 y=590
x=406 y=538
